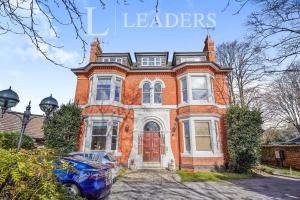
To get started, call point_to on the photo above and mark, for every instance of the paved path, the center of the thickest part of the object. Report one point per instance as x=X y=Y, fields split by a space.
x=165 y=185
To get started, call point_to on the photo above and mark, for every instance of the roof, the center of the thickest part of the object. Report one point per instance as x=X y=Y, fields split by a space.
x=127 y=54
x=295 y=140
x=11 y=122
x=132 y=66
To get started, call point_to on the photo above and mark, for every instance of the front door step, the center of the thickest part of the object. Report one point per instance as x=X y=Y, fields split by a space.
x=151 y=165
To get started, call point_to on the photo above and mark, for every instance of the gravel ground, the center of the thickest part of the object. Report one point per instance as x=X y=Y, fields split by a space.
x=152 y=184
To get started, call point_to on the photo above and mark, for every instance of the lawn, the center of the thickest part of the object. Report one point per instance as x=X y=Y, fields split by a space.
x=273 y=170
x=210 y=176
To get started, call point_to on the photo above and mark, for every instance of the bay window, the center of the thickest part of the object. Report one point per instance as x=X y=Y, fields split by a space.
x=104 y=135
x=197 y=89
x=105 y=89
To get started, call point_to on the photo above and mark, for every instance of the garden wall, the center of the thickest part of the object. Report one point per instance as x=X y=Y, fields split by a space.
x=291 y=154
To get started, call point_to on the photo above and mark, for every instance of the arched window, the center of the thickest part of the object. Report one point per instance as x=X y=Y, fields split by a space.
x=146 y=92
x=158 y=93
x=151 y=126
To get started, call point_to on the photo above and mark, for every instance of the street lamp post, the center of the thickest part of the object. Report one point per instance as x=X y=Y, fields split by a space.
x=9 y=99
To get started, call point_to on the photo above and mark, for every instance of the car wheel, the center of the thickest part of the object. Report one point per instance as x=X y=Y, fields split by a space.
x=72 y=188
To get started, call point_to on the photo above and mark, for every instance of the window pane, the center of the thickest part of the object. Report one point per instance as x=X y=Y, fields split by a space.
x=146 y=87
x=203 y=143
x=103 y=89
x=146 y=97
x=117 y=89
x=99 y=128
x=202 y=136
x=202 y=128
x=98 y=143
x=151 y=126
x=184 y=90
x=114 y=138
x=199 y=82
x=157 y=98
x=157 y=87
x=184 y=96
x=183 y=84
x=199 y=94
x=103 y=94
x=187 y=136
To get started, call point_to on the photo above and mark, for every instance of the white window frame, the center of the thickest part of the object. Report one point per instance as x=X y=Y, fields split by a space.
x=145 y=61
x=185 y=151
x=152 y=84
x=161 y=92
x=106 y=135
x=150 y=93
x=118 y=135
x=215 y=152
x=89 y=131
x=184 y=59
x=93 y=89
x=190 y=101
x=110 y=59
x=120 y=88
x=181 y=90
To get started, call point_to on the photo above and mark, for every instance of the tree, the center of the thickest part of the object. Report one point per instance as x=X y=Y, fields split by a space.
x=10 y=140
x=62 y=128
x=30 y=175
x=247 y=66
x=275 y=24
x=28 y=17
x=272 y=135
x=282 y=98
x=244 y=130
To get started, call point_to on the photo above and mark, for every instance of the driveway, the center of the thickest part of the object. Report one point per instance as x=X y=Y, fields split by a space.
x=151 y=184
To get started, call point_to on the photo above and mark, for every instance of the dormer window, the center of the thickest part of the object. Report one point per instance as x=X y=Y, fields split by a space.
x=192 y=59
x=113 y=59
x=151 y=61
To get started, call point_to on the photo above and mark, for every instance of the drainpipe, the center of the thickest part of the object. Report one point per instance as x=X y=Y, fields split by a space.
x=178 y=133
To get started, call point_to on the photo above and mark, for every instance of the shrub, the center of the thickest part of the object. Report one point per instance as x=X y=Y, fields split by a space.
x=244 y=134
x=9 y=140
x=62 y=128
x=29 y=175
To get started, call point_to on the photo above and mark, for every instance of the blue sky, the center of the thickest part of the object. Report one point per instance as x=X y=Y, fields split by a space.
x=34 y=78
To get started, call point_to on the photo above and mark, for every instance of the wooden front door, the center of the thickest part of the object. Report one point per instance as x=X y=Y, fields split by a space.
x=151 y=147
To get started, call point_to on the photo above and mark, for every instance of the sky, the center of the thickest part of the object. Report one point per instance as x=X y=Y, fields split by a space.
x=33 y=78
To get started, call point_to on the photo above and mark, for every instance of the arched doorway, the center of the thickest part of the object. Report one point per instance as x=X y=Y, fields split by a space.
x=151 y=142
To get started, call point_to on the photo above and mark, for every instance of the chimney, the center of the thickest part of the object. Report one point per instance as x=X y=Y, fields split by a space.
x=209 y=48
x=95 y=50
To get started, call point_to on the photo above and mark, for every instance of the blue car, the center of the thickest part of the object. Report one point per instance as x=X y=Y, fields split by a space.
x=84 y=179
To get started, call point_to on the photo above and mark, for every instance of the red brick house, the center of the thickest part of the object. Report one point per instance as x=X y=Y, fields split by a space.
x=155 y=111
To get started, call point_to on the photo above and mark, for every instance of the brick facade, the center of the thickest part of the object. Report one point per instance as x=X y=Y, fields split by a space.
x=132 y=114
x=291 y=154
